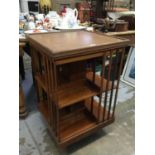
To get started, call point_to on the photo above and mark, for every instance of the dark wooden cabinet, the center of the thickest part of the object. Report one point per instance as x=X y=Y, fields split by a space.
x=74 y=98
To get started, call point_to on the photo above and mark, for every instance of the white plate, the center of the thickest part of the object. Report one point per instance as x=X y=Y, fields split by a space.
x=33 y=31
x=74 y=28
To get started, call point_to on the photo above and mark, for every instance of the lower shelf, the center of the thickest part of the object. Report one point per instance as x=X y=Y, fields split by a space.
x=95 y=110
x=81 y=121
x=76 y=125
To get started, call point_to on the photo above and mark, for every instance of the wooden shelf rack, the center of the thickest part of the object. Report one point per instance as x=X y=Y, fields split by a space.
x=74 y=99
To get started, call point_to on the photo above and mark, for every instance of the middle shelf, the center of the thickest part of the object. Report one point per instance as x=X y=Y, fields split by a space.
x=78 y=90
x=75 y=92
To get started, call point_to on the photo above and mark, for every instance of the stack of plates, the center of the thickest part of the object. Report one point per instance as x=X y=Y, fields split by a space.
x=73 y=28
x=35 y=31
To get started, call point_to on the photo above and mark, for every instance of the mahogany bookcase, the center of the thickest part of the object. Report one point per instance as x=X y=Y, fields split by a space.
x=73 y=97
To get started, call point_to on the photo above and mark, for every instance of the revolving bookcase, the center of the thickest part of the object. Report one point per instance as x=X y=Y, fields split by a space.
x=76 y=75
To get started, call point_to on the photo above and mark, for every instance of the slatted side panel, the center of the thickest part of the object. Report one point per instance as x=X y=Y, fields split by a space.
x=107 y=79
x=46 y=86
x=120 y=55
x=111 y=71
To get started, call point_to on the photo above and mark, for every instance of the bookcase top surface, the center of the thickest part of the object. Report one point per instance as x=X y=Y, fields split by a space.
x=68 y=43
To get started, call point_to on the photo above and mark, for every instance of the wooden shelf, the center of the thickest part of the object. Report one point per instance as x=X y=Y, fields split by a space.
x=80 y=121
x=75 y=92
x=95 y=110
x=75 y=125
x=98 y=79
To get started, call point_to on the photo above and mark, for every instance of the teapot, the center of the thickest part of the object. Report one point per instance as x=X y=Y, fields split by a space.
x=69 y=19
x=30 y=24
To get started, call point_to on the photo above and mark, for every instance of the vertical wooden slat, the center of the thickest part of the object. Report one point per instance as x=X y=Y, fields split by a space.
x=112 y=87
x=35 y=68
x=51 y=76
x=56 y=101
x=52 y=96
x=44 y=71
x=34 y=63
x=39 y=62
x=118 y=80
x=94 y=66
x=44 y=75
x=93 y=81
x=48 y=89
x=107 y=84
x=101 y=88
x=50 y=92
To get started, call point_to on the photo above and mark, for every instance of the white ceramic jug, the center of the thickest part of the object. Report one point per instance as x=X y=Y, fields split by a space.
x=70 y=18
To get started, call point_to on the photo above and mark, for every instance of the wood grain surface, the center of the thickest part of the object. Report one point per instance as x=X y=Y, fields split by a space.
x=75 y=42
